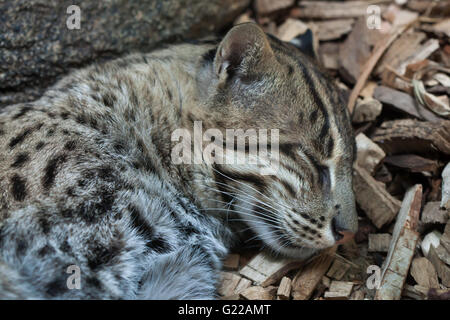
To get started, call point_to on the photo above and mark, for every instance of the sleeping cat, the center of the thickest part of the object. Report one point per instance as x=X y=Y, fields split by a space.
x=88 y=182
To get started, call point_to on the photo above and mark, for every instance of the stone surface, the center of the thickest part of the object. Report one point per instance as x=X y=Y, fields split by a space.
x=36 y=46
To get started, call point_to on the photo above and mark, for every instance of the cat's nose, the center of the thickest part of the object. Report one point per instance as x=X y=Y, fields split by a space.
x=341 y=235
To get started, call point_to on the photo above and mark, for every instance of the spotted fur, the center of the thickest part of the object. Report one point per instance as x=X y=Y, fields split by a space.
x=86 y=176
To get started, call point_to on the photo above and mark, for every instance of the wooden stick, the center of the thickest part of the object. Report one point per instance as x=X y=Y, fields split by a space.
x=372 y=196
x=284 y=290
x=403 y=244
x=307 y=279
x=265 y=270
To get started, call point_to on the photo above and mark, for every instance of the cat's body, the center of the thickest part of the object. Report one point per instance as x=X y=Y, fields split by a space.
x=87 y=179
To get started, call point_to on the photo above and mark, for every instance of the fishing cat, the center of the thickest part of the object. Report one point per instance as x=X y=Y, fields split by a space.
x=87 y=180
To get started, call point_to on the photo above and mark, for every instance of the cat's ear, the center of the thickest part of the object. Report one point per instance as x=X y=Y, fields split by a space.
x=305 y=43
x=244 y=48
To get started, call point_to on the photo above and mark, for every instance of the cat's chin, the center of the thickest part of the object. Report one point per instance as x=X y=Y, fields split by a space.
x=299 y=253
x=271 y=239
x=292 y=251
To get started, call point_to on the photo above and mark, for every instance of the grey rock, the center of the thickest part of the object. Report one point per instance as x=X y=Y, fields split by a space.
x=37 y=47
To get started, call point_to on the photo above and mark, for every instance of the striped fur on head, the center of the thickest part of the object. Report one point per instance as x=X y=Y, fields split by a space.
x=252 y=80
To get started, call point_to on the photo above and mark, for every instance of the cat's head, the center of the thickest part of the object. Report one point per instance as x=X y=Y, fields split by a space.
x=252 y=80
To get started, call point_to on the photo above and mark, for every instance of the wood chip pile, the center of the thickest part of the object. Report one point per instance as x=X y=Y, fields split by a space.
x=395 y=70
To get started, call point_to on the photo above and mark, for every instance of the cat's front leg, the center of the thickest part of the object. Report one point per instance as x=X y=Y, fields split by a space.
x=191 y=272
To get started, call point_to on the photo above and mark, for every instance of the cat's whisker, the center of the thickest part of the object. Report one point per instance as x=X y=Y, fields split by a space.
x=252 y=204
x=239 y=197
x=237 y=189
x=245 y=198
x=266 y=236
x=258 y=222
x=256 y=199
x=241 y=212
x=260 y=201
x=244 y=184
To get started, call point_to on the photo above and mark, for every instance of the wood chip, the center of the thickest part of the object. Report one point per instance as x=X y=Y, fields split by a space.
x=355 y=51
x=290 y=29
x=329 y=9
x=358 y=295
x=404 y=47
x=326 y=282
x=333 y=29
x=443 y=254
x=256 y=293
x=264 y=7
x=338 y=269
x=246 y=257
x=438 y=104
x=435 y=189
x=445 y=239
x=329 y=55
x=243 y=18
x=366 y=110
x=265 y=270
x=379 y=242
x=272 y=291
x=423 y=272
x=377 y=52
x=339 y=290
x=242 y=285
x=369 y=88
x=432 y=213
x=413 y=136
x=228 y=283
x=403 y=244
x=306 y=280
x=231 y=297
x=369 y=154
x=284 y=290
x=431 y=239
x=445 y=55
x=442 y=269
x=413 y=293
x=442 y=27
x=419 y=5
x=421 y=53
x=404 y=102
x=412 y=163
x=442 y=78
x=441 y=294
x=445 y=202
x=397 y=16
x=371 y=195
x=231 y=262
